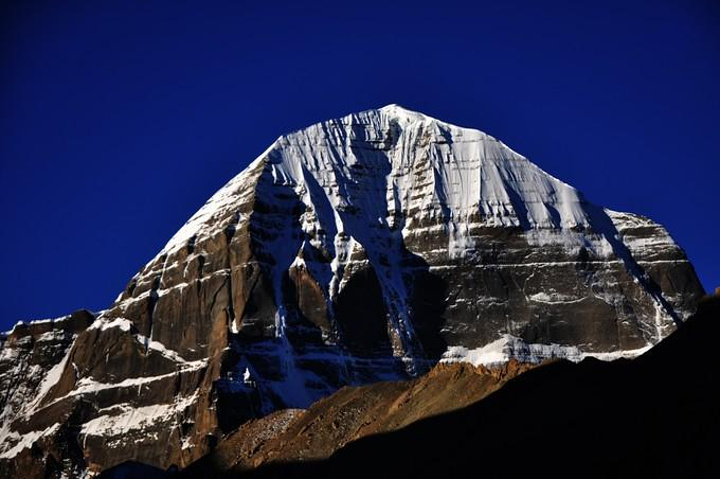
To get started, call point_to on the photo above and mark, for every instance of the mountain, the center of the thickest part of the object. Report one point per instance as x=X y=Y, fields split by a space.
x=361 y=249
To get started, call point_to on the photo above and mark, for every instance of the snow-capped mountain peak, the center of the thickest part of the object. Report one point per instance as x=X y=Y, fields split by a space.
x=363 y=248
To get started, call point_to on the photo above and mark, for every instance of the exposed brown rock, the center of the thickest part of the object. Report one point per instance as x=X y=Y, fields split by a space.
x=352 y=413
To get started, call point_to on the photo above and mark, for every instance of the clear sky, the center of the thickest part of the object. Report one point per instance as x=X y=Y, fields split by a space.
x=119 y=119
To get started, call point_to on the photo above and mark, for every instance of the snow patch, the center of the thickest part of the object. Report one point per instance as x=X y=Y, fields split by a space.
x=553 y=298
x=25 y=441
x=88 y=385
x=103 y=324
x=220 y=203
x=136 y=418
x=160 y=348
x=492 y=353
x=509 y=347
x=51 y=379
x=35 y=322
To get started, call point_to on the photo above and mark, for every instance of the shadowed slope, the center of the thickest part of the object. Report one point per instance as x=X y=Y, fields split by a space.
x=353 y=413
x=656 y=416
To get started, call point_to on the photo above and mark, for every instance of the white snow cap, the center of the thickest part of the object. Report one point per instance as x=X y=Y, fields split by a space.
x=393 y=160
x=403 y=113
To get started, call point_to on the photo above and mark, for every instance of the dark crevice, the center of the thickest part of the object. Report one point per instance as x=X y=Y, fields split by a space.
x=232 y=227
x=152 y=302
x=230 y=308
x=201 y=266
x=131 y=287
x=190 y=246
x=215 y=295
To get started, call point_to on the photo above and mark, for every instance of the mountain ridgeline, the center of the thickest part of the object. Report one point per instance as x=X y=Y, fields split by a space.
x=361 y=249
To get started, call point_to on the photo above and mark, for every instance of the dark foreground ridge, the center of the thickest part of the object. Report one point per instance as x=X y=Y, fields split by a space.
x=656 y=416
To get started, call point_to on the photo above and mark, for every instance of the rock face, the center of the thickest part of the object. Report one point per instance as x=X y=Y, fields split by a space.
x=360 y=249
x=32 y=359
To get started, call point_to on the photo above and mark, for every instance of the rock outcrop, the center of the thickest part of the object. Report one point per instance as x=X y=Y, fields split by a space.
x=33 y=358
x=293 y=435
x=361 y=249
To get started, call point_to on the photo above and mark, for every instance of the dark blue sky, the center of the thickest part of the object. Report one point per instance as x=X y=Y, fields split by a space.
x=119 y=119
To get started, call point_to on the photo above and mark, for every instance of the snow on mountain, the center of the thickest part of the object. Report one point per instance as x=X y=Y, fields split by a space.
x=359 y=249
